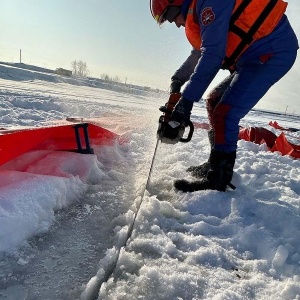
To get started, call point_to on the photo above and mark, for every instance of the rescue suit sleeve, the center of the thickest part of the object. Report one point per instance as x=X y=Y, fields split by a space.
x=185 y=71
x=213 y=17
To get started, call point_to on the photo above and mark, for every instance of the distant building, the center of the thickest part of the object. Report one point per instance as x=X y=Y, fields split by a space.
x=63 y=72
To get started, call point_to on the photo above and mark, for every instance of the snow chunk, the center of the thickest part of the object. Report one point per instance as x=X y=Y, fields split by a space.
x=280 y=257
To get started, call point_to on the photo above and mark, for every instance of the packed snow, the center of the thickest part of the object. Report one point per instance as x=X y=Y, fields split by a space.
x=65 y=217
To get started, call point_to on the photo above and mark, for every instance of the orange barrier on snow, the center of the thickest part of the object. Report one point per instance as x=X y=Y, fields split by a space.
x=277 y=126
x=56 y=137
x=282 y=145
x=260 y=135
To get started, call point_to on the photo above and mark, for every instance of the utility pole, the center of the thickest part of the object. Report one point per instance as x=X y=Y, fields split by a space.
x=286 y=109
x=20 y=56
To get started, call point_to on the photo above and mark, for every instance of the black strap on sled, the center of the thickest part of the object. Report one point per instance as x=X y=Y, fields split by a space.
x=80 y=149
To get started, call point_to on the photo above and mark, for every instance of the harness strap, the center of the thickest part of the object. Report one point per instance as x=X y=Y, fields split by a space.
x=246 y=37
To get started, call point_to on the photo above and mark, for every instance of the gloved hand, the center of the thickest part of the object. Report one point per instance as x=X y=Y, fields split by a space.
x=182 y=111
x=175 y=86
x=169 y=106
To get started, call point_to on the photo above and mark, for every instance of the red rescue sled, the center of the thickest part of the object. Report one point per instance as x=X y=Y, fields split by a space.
x=76 y=135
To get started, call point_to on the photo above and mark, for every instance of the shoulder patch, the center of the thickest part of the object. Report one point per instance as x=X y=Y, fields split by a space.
x=207 y=16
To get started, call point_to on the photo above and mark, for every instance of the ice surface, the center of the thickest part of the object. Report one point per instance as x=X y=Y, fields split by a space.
x=64 y=215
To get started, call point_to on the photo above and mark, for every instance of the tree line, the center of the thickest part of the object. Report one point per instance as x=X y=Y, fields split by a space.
x=80 y=68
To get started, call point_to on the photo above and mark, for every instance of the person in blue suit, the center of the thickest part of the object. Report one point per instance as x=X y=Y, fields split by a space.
x=254 y=40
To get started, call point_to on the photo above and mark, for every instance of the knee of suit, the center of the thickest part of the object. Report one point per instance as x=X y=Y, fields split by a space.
x=226 y=128
x=219 y=122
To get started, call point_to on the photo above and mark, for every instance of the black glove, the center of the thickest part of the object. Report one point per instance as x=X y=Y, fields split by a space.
x=169 y=106
x=175 y=86
x=182 y=111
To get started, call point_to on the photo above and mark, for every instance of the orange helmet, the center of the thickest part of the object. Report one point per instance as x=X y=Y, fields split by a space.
x=159 y=7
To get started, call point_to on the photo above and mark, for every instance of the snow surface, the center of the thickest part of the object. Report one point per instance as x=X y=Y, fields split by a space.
x=64 y=216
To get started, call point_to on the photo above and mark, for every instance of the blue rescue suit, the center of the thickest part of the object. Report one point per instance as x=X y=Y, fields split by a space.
x=264 y=63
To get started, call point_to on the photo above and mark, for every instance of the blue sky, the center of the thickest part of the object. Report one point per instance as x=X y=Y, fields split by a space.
x=119 y=38
x=113 y=37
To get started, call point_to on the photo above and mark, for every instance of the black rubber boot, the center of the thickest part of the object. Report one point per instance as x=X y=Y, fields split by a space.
x=201 y=170
x=218 y=176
